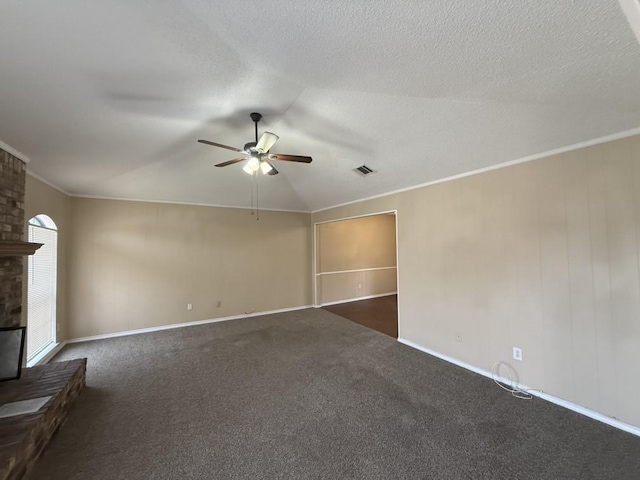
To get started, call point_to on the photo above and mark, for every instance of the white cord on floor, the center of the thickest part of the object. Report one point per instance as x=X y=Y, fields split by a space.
x=512 y=386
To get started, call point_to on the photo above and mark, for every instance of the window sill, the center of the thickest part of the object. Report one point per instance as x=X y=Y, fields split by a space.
x=44 y=355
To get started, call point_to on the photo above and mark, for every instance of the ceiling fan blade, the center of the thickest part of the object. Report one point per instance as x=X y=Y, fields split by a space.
x=290 y=158
x=230 y=162
x=220 y=145
x=267 y=140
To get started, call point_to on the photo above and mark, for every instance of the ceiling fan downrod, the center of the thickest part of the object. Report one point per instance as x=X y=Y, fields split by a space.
x=256 y=117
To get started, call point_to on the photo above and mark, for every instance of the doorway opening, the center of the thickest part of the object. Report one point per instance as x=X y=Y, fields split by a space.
x=42 y=288
x=356 y=270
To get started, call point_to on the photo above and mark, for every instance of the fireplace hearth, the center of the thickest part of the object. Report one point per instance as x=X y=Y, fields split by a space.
x=48 y=389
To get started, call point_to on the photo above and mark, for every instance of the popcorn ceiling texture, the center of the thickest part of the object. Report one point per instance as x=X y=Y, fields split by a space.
x=418 y=91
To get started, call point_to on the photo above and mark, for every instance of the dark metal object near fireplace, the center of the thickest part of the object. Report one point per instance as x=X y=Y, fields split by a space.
x=11 y=352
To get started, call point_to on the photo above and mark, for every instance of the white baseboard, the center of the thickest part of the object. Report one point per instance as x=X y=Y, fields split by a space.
x=356 y=299
x=180 y=325
x=614 y=422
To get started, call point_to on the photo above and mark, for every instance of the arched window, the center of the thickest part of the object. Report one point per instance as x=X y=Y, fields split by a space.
x=41 y=288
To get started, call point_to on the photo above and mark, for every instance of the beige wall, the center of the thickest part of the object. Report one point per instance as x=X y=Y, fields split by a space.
x=357 y=244
x=42 y=199
x=366 y=242
x=543 y=256
x=138 y=264
x=348 y=286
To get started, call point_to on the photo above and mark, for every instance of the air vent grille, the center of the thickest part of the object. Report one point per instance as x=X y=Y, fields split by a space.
x=364 y=170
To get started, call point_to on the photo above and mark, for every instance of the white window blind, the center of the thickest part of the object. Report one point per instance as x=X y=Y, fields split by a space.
x=41 y=313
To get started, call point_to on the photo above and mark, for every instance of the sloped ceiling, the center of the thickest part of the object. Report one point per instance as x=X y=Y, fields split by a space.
x=109 y=98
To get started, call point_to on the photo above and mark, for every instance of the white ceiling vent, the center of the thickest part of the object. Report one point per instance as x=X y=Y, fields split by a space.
x=364 y=170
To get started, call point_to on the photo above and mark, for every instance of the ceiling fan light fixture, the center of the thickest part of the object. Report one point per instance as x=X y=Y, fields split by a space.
x=252 y=166
x=267 y=140
x=265 y=167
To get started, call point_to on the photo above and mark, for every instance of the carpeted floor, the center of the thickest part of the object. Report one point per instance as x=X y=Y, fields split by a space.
x=309 y=395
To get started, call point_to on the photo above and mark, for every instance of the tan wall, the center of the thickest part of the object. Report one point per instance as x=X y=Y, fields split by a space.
x=366 y=242
x=347 y=286
x=138 y=264
x=543 y=256
x=42 y=199
x=355 y=244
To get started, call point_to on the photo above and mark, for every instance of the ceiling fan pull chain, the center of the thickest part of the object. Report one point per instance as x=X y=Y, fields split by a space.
x=257 y=197
x=251 y=187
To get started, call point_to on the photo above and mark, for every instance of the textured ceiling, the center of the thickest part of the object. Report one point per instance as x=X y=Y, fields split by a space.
x=109 y=98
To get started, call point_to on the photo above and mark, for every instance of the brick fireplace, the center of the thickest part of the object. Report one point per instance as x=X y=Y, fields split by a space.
x=12 y=189
x=24 y=434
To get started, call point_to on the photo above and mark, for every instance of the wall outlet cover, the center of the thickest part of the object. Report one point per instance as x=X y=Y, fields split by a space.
x=517 y=354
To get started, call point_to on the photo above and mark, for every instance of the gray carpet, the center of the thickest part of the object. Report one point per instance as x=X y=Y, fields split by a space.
x=309 y=395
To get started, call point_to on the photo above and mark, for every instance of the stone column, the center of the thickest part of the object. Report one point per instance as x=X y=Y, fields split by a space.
x=12 y=188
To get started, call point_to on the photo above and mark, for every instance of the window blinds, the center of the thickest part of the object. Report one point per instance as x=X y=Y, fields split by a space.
x=41 y=313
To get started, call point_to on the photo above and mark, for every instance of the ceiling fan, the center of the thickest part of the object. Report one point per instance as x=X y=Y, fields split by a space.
x=257 y=153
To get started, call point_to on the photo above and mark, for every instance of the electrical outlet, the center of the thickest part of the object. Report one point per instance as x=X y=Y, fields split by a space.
x=219 y=304
x=57 y=328
x=517 y=354
x=189 y=306
x=359 y=286
x=458 y=337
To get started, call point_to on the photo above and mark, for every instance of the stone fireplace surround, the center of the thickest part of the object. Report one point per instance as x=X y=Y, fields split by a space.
x=24 y=437
x=12 y=190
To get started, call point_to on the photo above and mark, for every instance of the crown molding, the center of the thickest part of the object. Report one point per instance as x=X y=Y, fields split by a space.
x=19 y=155
x=100 y=197
x=192 y=204
x=47 y=182
x=530 y=158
